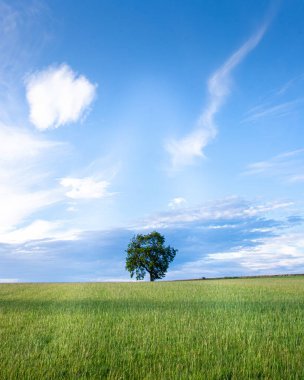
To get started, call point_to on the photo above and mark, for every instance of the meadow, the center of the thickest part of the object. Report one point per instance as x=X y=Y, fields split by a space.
x=213 y=329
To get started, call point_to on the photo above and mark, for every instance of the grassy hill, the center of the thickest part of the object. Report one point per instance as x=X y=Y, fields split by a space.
x=220 y=329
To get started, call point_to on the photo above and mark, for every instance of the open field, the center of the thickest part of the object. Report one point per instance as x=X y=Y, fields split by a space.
x=220 y=329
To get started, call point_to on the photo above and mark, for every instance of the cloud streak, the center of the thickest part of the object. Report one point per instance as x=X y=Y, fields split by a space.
x=287 y=167
x=278 y=110
x=183 y=151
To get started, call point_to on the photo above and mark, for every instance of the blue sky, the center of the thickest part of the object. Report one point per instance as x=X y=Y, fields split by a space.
x=126 y=117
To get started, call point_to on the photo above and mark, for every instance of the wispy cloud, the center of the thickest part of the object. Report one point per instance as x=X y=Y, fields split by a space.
x=177 y=202
x=29 y=169
x=278 y=253
x=279 y=102
x=23 y=186
x=287 y=167
x=289 y=84
x=39 y=230
x=256 y=256
x=18 y=144
x=85 y=188
x=184 y=150
x=58 y=96
x=221 y=210
x=278 y=110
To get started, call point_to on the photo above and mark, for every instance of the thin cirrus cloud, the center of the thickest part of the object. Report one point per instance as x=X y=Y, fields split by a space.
x=272 y=105
x=183 y=151
x=85 y=188
x=265 y=111
x=58 y=96
x=287 y=166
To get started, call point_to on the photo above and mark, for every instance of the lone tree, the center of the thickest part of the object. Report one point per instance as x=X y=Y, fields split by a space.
x=147 y=253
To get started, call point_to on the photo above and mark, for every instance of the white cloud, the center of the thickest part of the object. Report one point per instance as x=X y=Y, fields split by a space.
x=268 y=255
x=266 y=207
x=222 y=226
x=85 y=188
x=17 y=204
x=22 y=174
x=39 y=229
x=223 y=209
x=183 y=151
x=17 y=144
x=285 y=252
x=177 y=202
x=28 y=187
x=58 y=96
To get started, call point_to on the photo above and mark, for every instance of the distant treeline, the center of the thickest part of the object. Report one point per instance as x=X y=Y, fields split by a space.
x=242 y=277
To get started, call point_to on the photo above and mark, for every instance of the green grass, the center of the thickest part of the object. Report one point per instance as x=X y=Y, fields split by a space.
x=219 y=329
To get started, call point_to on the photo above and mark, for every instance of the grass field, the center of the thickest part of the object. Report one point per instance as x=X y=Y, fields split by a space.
x=217 y=329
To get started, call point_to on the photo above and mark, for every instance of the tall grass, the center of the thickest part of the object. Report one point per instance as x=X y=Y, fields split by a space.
x=219 y=329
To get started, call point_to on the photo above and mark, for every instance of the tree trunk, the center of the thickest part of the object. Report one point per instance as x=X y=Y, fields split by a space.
x=151 y=278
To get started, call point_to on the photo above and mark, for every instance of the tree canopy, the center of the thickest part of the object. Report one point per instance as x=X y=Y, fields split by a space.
x=148 y=254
